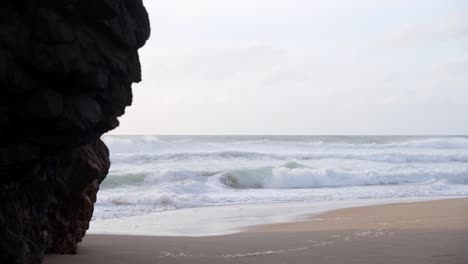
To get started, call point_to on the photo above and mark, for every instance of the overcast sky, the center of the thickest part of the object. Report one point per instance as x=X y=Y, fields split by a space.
x=303 y=67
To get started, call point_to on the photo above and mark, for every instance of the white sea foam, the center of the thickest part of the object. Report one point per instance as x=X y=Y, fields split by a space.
x=152 y=144
x=155 y=174
x=220 y=220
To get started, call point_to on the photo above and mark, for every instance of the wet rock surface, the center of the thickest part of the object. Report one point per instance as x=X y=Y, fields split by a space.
x=66 y=70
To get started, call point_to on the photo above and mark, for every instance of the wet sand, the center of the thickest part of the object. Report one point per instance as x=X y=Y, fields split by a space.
x=421 y=232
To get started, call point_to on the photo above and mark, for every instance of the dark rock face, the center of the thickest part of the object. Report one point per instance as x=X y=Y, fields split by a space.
x=66 y=69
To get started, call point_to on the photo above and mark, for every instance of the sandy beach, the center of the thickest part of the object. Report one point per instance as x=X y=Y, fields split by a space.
x=420 y=232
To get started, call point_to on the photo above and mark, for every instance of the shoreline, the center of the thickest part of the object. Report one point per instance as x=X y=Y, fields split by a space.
x=231 y=219
x=414 y=232
x=382 y=216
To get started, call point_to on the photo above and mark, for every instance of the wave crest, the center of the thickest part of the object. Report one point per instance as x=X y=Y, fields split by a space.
x=294 y=175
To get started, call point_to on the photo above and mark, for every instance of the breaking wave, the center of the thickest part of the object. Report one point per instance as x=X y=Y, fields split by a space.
x=390 y=157
x=153 y=174
x=295 y=175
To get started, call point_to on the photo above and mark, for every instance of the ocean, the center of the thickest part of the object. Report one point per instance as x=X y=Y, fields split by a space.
x=151 y=174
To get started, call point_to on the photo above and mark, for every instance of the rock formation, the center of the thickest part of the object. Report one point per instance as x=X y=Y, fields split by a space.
x=66 y=70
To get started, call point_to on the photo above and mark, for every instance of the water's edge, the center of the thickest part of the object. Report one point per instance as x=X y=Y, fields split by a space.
x=230 y=219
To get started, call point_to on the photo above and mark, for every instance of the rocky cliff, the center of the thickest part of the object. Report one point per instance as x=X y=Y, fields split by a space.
x=66 y=70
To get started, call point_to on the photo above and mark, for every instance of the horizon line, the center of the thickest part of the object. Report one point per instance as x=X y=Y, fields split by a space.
x=301 y=135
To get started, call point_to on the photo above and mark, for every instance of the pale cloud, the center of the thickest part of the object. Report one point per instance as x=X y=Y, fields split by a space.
x=302 y=67
x=450 y=28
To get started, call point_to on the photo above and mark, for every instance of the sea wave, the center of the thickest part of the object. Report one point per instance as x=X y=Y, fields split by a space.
x=155 y=177
x=153 y=174
x=295 y=175
x=152 y=144
x=388 y=156
x=291 y=182
x=292 y=175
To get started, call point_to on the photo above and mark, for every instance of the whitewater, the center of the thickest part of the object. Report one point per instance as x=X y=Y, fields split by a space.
x=155 y=174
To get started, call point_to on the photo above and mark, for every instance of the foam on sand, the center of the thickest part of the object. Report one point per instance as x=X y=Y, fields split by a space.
x=222 y=220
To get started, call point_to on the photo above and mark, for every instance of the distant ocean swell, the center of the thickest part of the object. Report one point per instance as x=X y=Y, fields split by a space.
x=152 y=174
x=292 y=175
x=149 y=144
x=389 y=156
